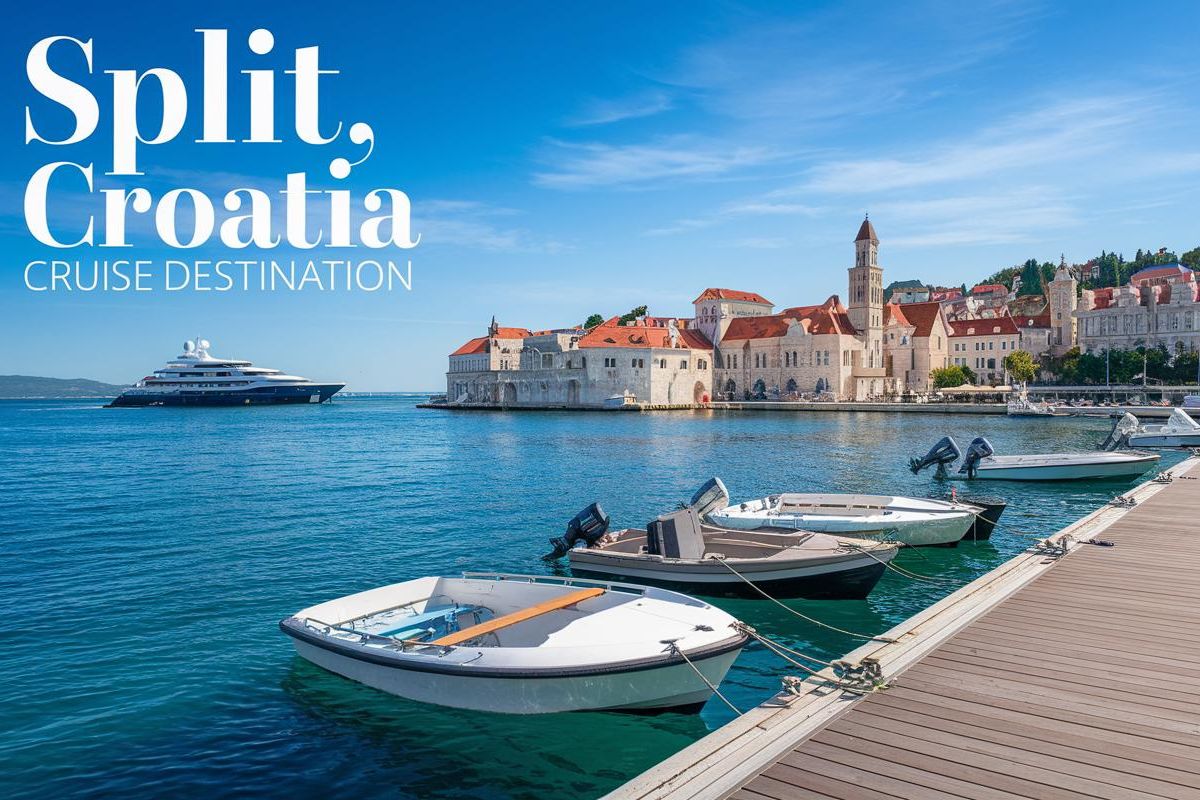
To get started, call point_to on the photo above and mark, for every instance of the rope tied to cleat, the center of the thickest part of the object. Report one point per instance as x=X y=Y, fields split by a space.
x=790 y=610
x=862 y=678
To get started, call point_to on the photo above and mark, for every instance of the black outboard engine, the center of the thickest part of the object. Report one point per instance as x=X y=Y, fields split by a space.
x=979 y=449
x=587 y=527
x=944 y=453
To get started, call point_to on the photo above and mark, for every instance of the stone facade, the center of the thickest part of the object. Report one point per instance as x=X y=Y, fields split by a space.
x=1160 y=305
x=982 y=345
x=915 y=342
x=1063 y=296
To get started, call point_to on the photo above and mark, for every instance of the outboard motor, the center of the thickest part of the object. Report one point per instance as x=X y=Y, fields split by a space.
x=944 y=453
x=712 y=496
x=587 y=527
x=978 y=450
x=1119 y=435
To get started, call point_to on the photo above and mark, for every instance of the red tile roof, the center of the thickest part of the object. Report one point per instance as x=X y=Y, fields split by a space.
x=1025 y=321
x=989 y=288
x=476 y=345
x=1163 y=271
x=919 y=315
x=511 y=333
x=983 y=327
x=610 y=334
x=829 y=317
x=1102 y=298
x=732 y=294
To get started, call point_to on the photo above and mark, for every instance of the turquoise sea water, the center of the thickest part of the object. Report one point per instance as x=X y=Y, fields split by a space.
x=149 y=554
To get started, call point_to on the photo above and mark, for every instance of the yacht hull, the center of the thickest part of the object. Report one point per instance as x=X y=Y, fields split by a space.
x=1165 y=440
x=261 y=396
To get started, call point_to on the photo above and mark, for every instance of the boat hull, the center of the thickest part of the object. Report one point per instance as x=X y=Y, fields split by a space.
x=854 y=583
x=947 y=529
x=1165 y=440
x=667 y=685
x=263 y=396
x=1064 y=472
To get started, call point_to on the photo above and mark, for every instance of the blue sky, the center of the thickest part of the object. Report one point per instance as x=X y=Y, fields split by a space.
x=569 y=160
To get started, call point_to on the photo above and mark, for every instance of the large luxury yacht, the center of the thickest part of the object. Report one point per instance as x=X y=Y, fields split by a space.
x=196 y=378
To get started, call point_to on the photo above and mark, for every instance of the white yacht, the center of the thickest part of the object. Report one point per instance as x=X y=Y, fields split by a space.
x=197 y=378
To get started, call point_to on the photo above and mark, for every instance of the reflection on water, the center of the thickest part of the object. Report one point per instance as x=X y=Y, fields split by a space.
x=153 y=552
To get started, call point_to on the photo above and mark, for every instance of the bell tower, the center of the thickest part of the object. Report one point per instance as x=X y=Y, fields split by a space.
x=1063 y=302
x=865 y=304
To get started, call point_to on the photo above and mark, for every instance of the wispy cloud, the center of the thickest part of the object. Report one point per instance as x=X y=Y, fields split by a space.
x=736 y=209
x=592 y=164
x=1060 y=132
x=604 y=112
x=1022 y=215
x=477 y=226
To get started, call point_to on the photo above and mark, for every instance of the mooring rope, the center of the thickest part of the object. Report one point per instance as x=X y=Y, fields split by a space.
x=791 y=610
x=865 y=677
x=676 y=649
x=901 y=570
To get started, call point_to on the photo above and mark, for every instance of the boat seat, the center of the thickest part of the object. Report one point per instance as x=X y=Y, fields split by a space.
x=677 y=535
x=414 y=625
x=495 y=624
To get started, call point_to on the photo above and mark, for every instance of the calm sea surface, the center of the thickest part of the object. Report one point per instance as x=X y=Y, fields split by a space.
x=149 y=554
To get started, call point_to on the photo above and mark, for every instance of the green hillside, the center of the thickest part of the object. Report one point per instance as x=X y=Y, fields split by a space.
x=28 y=386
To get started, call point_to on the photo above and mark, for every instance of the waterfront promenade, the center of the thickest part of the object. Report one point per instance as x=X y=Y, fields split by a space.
x=1067 y=672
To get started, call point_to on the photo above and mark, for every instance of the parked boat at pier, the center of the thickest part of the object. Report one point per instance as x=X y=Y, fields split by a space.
x=1180 y=430
x=520 y=644
x=676 y=550
x=981 y=463
x=196 y=378
x=907 y=520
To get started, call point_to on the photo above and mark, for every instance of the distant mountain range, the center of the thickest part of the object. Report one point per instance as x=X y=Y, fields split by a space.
x=27 y=387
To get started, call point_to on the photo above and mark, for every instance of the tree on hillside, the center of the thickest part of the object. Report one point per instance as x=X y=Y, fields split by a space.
x=633 y=314
x=593 y=321
x=1031 y=279
x=1021 y=366
x=1191 y=258
x=953 y=375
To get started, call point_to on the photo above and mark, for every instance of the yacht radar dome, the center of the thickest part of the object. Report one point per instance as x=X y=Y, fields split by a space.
x=189 y=346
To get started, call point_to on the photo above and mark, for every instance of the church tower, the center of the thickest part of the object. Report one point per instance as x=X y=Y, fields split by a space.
x=865 y=304
x=1063 y=302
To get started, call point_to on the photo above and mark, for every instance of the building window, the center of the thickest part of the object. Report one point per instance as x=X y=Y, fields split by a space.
x=683 y=363
x=701 y=364
x=662 y=363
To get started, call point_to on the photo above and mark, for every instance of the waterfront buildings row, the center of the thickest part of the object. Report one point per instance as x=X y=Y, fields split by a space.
x=735 y=345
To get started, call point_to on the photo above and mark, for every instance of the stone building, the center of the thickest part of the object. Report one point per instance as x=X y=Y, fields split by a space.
x=1036 y=333
x=799 y=351
x=1063 y=301
x=656 y=361
x=716 y=309
x=982 y=345
x=1159 y=305
x=915 y=342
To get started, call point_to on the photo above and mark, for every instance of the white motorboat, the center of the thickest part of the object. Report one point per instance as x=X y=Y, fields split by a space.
x=1024 y=407
x=1180 y=430
x=906 y=520
x=676 y=550
x=981 y=463
x=521 y=644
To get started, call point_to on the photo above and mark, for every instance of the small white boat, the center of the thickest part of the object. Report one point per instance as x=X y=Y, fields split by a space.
x=981 y=463
x=521 y=644
x=906 y=520
x=1024 y=407
x=676 y=550
x=1180 y=430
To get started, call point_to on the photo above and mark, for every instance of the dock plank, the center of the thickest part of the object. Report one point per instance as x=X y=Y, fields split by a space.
x=1079 y=684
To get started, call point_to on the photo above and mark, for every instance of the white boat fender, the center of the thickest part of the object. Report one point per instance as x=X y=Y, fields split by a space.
x=588 y=526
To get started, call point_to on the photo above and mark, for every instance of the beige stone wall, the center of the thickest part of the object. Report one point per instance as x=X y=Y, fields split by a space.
x=794 y=359
x=984 y=352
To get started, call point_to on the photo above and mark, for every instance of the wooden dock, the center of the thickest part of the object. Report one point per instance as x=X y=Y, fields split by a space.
x=1069 y=672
